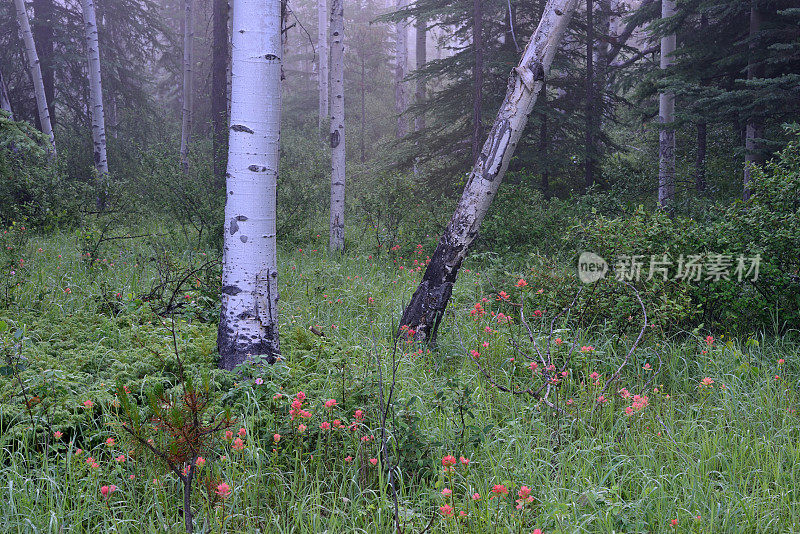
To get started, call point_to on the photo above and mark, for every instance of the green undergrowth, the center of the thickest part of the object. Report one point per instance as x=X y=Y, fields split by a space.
x=714 y=456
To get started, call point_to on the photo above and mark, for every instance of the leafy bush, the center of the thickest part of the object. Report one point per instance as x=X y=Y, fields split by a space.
x=31 y=186
x=767 y=225
x=520 y=219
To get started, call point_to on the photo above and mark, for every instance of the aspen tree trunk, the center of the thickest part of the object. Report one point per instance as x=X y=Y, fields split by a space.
x=323 y=71
x=42 y=28
x=666 y=118
x=477 y=75
x=401 y=61
x=249 y=306
x=35 y=70
x=363 y=89
x=700 y=160
x=219 y=90
x=543 y=146
x=336 y=241
x=427 y=306
x=96 y=98
x=188 y=95
x=421 y=53
x=5 y=103
x=755 y=126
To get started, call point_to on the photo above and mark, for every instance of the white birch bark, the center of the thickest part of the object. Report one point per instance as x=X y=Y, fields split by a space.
x=401 y=62
x=666 y=118
x=95 y=92
x=336 y=241
x=35 y=70
x=427 y=305
x=188 y=95
x=324 y=59
x=5 y=103
x=249 y=315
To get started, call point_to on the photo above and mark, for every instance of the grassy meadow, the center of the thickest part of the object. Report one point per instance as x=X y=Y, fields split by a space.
x=698 y=434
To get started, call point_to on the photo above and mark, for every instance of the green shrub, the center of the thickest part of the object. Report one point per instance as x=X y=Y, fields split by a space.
x=767 y=225
x=31 y=186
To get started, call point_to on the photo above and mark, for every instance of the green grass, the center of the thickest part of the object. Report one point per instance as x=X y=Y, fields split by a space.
x=729 y=456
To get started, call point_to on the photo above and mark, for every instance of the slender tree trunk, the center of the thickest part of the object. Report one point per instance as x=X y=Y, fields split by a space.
x=5 y=103
x=427 y=305
x=543 y=145
x=755 y=125
x=401 y=61
x=477 y=75
x=422 y=57
x=510 y=37
x=42 y=28
x=249 y=306
x=336 y=241
x=702 y=134
x=96 y=99
x=323 y=16
x=361 y=142
x=700 y=161
x=188 y=94
x=666 y=118
x=589 y=163
x=229 y=69
x=113 y=118
x=219 y=90
x=35 y=70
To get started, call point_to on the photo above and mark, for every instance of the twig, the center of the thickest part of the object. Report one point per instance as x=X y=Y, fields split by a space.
x=384 y=414
x=616 y=375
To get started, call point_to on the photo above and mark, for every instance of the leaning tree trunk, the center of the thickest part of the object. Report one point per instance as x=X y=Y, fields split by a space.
x=666 y=118
x=336 y=241
x=5 y=103
x=324 y=63
x=96 y=99
x=755 y=126
x=427 y=305
x=35 y=70
x=188 y=95
x=249 y=316
x=401 y=61
x=421 y=56
x=219 y=90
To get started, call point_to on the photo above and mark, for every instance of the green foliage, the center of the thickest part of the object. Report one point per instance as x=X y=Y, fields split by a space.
x=395 y=209
x=616 y=471
x=303 y=184
x=768 y=225
x=32 y=188
x=521 y=220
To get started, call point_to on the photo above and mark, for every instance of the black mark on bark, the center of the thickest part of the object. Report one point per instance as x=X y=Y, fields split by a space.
x=231 y=290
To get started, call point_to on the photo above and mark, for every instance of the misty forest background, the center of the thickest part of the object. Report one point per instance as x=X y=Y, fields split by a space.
x=110 y=280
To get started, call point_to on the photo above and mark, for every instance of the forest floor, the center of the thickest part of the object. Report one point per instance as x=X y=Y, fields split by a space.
x=710 y=443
